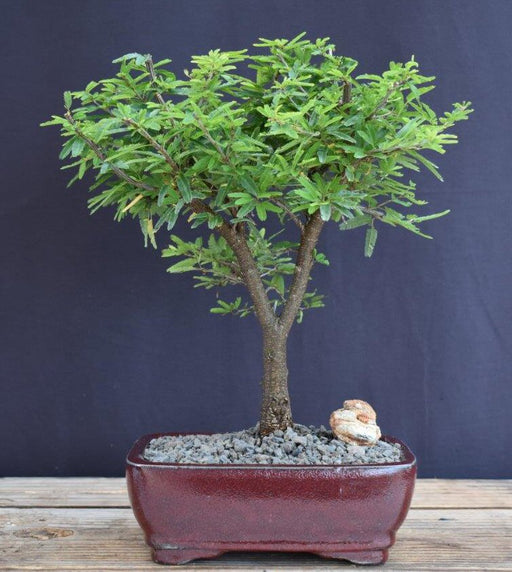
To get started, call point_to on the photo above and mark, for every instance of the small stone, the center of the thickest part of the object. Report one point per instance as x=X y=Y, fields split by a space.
x=355 y=423
x=356 y=450
x=288 y=447
x=299 y=445
x=239 y=446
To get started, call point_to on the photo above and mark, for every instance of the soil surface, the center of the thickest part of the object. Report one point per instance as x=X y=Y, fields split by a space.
x=298 y=445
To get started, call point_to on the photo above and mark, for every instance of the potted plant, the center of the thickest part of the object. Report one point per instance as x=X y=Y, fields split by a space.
x=261 y=151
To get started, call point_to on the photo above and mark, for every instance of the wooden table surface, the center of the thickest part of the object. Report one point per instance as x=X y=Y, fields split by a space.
x=86 y=524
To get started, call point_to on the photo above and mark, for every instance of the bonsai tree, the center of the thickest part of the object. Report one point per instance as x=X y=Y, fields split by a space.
x=288 y=138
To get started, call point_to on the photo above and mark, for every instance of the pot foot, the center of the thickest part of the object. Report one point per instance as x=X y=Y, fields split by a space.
x=359 y=557
x=182 y=555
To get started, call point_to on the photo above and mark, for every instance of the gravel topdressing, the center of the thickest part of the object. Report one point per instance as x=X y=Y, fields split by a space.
x=298 y=445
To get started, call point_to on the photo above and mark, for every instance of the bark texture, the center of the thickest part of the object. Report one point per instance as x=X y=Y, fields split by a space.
x=276 y=412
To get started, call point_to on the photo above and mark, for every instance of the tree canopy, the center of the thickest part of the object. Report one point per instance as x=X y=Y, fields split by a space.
x=282 y=133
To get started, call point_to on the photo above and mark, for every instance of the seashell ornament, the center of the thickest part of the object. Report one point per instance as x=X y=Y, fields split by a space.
x=355 y=423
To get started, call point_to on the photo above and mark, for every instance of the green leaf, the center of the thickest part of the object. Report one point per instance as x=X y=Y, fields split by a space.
x=325 y=212
x=428 y=164
x=82 y=169
x=371 y=239
x=138 y=58
x=261 y=212
x=322 y=154
x=151 y=232
x=162 y=194
x=217 y=310
x=249 y=185
x=416 y=219
x=182 y=266
x=246 y=209
x=214 y=221
x=407 y=128
x=169 y=218
x=355 y=222
x=321 y=258
x=184 y=187
x=54 y=121
x=68 y=99
x=77 y=147
x=188 y=118
x=278 y=283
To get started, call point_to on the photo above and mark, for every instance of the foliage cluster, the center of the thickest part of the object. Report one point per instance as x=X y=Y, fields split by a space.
x=250 y=139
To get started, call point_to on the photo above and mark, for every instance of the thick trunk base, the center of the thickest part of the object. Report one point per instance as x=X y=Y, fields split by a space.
x=276 y=413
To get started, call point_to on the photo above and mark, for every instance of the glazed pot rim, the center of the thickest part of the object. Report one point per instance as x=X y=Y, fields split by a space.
x=135 y=459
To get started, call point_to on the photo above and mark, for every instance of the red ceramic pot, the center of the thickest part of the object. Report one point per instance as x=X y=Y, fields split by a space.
x=350 y=512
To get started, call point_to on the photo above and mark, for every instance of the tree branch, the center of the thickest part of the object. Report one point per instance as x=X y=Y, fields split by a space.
x=385 y=99
x=154 y=143
x=101 y=155
x=248 y=267
x=347 y=93
x=291 y=214
x=208 y=136
x=303 y=265
x=152 y=74
x=233 y=278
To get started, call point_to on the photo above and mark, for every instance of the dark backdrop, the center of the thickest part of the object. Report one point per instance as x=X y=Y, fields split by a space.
x=100 y=345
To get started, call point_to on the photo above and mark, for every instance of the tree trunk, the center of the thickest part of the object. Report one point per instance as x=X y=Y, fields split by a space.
x=276 y=410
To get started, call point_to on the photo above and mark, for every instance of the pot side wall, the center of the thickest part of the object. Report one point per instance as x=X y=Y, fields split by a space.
x=322 y=509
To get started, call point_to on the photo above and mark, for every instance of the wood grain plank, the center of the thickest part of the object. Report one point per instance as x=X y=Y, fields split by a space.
x=110 y=539
x=63 y=492
x=105 y=492
x=462 y=493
